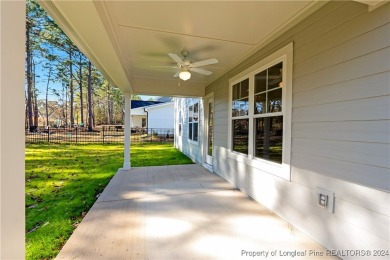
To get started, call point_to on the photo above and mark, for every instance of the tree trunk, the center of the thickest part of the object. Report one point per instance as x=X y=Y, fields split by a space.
x=35 y=97
x=71 y=101
x=89 y=97
x=93 y=118
x=63 y=104
x=36 y=114
x=29 y=78
x=109 y=105
x=25 y=111
x=66 y=104
x=47 y=98
x=267 y=134
x=81 y=92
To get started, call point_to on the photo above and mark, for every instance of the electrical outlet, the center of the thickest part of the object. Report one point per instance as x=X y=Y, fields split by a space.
x=324 y=199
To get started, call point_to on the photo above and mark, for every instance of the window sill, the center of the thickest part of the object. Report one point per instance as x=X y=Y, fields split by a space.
x=278 y=170
x=193 y=142
x=240 y=157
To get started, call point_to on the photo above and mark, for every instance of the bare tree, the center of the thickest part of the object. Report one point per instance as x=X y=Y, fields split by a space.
x=81 y=88
x=35 y=94
x=90 y=97
x=29 y=76
x=110 y=106
x=47 y=97
x=71 y=90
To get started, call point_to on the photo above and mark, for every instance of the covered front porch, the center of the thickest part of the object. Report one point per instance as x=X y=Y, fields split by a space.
x=182 y=212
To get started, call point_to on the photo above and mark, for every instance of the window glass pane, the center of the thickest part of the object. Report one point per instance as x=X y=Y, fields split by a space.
x=210 y=130
x=269 y=138
x=190 y=113
x=244 y=107
x=261 y=82
x=235 y=108
x=196 y=112
x=240 y=135
x=240 y=107
x=244 y=88
x=240 y=104
x=196 y=108
x=190 y=131
x=195 y=132
x=236 y=91
x=275 y=76
x=260 y=104
x=275 y=101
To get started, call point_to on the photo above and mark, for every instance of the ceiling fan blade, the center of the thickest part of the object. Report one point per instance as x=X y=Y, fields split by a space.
x=204 y=63
x=176 y=58
x=201 y=71
x=172 y=67
x=176 y=74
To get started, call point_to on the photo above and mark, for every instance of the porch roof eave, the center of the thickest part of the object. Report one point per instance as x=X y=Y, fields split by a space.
x=108 y=50
x=105 y=56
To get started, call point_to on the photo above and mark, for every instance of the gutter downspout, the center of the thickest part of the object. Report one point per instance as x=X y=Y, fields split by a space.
x=147 y=118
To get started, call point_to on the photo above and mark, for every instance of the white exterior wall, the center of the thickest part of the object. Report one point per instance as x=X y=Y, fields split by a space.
x=136 y=120
x=189 y=148
x=161 y=116
x=340 y=129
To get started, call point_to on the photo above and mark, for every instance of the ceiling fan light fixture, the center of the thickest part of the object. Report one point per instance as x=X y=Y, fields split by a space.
x=184 y=66
x=185 y=75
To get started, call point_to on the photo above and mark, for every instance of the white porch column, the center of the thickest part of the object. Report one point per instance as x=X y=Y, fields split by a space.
x=12 y=196
x=126 y=162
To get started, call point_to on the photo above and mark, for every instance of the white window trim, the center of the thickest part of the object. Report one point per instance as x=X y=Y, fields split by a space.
x=204 y=144
x=283 y=170
x=191 y=103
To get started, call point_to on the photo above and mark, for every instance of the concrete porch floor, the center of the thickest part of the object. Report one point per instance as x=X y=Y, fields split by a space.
x=181 y=212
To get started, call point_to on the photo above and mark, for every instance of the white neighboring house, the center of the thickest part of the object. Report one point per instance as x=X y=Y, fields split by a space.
x=138 y=117
x=154 y=116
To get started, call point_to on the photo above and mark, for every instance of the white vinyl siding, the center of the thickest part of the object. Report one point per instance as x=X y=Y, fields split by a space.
x=161 y=116
x=192 y=149
x=340 y=128
x=136 y=120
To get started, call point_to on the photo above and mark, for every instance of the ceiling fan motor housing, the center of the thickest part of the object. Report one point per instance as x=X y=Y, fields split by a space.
x=185 y=66
x=184 y=53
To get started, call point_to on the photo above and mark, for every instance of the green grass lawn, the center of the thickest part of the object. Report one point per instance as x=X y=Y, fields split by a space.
x=62 y=182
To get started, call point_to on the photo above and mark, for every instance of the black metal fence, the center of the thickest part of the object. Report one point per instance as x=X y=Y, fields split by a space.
x=100 y=134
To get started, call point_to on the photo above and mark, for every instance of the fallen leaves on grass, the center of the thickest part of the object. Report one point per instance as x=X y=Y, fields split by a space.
x=38 y=225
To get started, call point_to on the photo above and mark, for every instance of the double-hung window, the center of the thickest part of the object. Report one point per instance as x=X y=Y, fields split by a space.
x=268 y=113
x=240 y=118
x=193 y=122
x=260 y=115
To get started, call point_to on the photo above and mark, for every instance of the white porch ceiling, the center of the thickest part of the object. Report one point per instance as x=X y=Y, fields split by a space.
x=125 y=39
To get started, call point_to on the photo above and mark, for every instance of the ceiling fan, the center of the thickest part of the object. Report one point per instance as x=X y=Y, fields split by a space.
x=185 y=66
